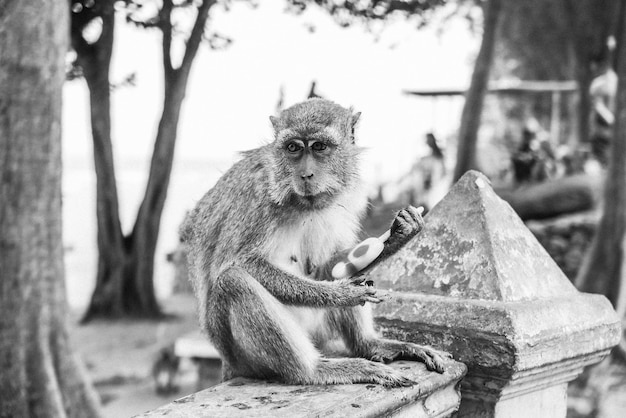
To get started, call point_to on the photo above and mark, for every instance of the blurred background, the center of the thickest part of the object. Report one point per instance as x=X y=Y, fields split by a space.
x=523 y=91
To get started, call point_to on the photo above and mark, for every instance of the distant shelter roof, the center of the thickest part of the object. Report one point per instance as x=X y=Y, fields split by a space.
x=505 y=87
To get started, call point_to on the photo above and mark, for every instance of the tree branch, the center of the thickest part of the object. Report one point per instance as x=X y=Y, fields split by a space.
x=193 y=43
x=165 y=24
x=371 y=9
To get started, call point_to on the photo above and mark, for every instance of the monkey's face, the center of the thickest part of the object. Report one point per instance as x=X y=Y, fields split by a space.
x=314 y=166
x=314 y=156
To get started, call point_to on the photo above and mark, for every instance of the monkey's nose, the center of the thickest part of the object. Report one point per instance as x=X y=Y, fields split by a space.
x=306 y=175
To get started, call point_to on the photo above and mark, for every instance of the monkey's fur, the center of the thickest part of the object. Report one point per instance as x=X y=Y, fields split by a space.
x=261 y=245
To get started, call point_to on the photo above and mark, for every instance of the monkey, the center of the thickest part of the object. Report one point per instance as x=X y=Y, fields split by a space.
x=261 y=245
x=164 y=371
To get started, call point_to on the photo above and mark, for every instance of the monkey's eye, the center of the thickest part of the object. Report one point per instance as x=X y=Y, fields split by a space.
x=318 y=146
x=293 y=147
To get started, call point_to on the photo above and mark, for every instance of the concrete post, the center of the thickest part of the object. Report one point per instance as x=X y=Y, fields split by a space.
x=477 y=283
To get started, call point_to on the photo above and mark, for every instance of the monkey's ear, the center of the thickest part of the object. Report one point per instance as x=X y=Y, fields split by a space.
x=275 y=122
x=355 y=119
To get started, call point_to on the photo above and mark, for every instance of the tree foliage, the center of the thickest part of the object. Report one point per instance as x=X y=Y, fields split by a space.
x=534 y=40
x=346 y=12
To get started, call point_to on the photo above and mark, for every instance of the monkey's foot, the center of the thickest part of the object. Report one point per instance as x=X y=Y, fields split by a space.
x=389 y=378
x=388 y=351
x=358 y=370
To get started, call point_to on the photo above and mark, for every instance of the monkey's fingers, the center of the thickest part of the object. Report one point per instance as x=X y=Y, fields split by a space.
x=444 y=354
x=386 y=357
x=400 y=381
x=373 y=299
x=358 y=281
x=430 y=357
x=413 y=217
x=416 y=213
x=402 y=222
x=369 y=290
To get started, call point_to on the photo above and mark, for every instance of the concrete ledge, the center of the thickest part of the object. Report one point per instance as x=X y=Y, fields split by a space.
x=476 y=283
x=436 y=395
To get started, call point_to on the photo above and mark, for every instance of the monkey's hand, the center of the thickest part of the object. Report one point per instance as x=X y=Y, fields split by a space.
x=357 y=293
x=407 y=224
x=386 y=351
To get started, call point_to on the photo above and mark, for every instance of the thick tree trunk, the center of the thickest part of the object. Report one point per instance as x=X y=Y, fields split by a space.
x=95 y=60
x=602 y=270
x=39 y=377
x=472 y=109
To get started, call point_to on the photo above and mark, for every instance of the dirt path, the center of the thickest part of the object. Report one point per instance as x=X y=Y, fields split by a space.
x=119 y=357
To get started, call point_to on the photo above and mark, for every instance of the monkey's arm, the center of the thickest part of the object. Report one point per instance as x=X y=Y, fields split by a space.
x=294 y=290
x=354 y=262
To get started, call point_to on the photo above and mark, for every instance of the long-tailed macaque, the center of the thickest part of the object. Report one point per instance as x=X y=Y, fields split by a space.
x=261 y=245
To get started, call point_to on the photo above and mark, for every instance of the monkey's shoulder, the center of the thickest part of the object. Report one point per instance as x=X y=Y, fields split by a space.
x=233 y=206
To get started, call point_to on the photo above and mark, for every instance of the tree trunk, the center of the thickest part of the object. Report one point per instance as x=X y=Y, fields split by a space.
x=40 y=377
x=602 y=270
x=125 y=285
x=95 y=60
x=472 y=109
x=145 y=234
x=584 y=77
x=591 y=22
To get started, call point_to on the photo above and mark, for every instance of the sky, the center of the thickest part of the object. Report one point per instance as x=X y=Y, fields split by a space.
x=230 y=96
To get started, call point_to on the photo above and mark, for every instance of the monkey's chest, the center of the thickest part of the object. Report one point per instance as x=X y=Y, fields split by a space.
x=300 y=247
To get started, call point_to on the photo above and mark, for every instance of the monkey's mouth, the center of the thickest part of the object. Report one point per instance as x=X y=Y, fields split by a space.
x=313 y=201
x=310 y=195
x=305 y=189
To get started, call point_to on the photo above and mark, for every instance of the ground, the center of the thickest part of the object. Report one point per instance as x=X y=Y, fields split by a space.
x=119 y=357
x=600 y=392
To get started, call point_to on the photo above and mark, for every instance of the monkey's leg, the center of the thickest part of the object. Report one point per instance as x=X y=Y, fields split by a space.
x=268 y=343
x=259 y=337
x=355 y=326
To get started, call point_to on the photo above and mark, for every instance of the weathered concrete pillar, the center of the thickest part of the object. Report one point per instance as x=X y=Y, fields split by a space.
x=477 y=283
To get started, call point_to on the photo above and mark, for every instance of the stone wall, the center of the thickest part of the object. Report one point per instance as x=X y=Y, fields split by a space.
x=566 y=238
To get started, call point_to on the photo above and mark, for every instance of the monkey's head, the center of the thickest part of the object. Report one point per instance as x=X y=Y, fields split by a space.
x=314 y=157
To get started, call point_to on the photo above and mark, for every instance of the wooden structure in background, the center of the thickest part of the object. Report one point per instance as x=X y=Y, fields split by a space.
x=516 y=87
